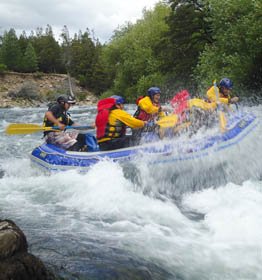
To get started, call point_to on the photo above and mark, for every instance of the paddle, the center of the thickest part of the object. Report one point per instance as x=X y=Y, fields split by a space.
x=168 y=121
x=26 y=128
x=222 y=118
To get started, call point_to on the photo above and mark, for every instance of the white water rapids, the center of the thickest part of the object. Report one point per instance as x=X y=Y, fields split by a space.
x=104 y=224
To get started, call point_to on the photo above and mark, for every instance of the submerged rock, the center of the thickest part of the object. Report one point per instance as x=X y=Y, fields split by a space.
x=15 y=262
x=12 y=239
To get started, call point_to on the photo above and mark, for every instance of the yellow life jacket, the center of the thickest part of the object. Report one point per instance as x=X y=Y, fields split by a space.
x=202 y=104
x=211 y=95
x=117 y=122
x=147 y=110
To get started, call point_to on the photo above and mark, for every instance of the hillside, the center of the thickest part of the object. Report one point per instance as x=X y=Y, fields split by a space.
x=26 y=89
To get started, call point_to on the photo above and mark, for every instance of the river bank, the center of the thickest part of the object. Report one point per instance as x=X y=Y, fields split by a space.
x=27 y=89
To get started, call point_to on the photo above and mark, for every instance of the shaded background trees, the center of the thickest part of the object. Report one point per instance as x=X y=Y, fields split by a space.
x=236 y=50
x=178 y=44
x=189 y=32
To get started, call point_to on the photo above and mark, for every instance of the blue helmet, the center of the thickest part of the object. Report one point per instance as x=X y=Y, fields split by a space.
x=152 y=91
x=119 y=99
x=226 y=83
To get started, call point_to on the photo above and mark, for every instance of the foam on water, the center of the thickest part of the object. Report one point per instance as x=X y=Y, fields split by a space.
x=104 y=205
x=63 y=213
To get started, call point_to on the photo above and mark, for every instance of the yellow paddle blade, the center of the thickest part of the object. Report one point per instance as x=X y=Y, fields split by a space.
x=222 y=121
x=168 y=121
x=26 y=128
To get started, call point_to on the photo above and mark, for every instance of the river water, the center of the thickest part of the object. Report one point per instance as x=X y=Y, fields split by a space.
x=106 y=224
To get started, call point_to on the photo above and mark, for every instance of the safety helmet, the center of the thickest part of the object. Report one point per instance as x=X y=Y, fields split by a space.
x=66 y=99
x=226 y=83
x=118 y=99
x=152 y=91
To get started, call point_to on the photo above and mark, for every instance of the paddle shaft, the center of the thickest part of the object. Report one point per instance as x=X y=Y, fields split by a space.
x=222 y=119
x=22 y=128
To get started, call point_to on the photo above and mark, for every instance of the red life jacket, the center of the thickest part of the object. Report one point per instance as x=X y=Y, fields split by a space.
x=180 y=105
x=103 y=109
x=179 y=102
x=143 y=115
x=139 y=98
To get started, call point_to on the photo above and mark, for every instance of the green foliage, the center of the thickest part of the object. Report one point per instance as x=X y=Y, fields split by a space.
x=48 y=51
x=236 y=52
x=11 y=54
x=23 y=42
x=175 y=46
x=156 y=79
x=3 y=68
x=106 y=94
x=81 y=56
x=86 y=63
x=131 y=51
x=30 y=60
x=81 y=96
x=188 y=34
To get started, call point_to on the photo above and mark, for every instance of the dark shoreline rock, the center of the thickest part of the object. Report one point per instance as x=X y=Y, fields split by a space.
x=15 y=261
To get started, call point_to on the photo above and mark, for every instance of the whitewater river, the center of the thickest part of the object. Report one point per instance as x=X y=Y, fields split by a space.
x=112 y=224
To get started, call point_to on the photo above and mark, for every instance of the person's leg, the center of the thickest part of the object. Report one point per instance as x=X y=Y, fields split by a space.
x=79 y=144
x=81 y=139
x=115 y=144
x=105 y=146
x=61 y=139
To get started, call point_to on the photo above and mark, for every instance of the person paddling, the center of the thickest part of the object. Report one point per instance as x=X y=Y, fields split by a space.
x=57 y=115
x=111 y=123
x=149 y=107
x=225 y=87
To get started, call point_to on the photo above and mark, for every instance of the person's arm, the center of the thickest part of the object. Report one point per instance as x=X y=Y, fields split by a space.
x=127 y=119
x=224 y=100
x=234 y=99
x=50 y=116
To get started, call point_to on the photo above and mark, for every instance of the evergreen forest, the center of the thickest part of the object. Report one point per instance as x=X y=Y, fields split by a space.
x=178 y=44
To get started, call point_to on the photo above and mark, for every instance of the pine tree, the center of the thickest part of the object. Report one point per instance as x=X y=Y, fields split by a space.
x=30 y=59
x=11 y=54
x=48 y=51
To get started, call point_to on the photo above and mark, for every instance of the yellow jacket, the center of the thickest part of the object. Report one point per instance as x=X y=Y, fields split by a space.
x=122 y=116
x=211 y=95
x=147 y=105
x=202 y=104
x=117 y=122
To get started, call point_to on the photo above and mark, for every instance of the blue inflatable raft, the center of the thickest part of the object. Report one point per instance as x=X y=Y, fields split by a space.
x=173 y=150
